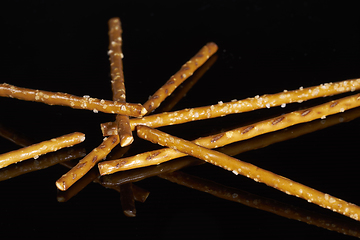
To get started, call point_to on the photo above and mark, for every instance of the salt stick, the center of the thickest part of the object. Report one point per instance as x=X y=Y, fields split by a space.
x=249 y=104
x=251 y=171
x=140 y=194
x=87 y=163
x=140 y=174
x=80 y=184
x=235 y=135
x=185 y=71
x=43 y=162
x=108 y=128
x=117 y=79
x=65 y=99
x=288 y=133
x=35 y=150
x=124 y=130
x=184 y=88
x=115 y=57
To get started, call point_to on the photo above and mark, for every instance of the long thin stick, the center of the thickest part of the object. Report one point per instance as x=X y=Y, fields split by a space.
x=117 y=79
x=87 y=163
x=249 y=104
x=35 y=150
x=65 y=99
x=42 y=162
x=186 y=71
x=251 y=171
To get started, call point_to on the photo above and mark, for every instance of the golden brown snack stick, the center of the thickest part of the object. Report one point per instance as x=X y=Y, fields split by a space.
x=115 y=57
x=109 y=128
x=176 y=96
x=124 y=130
x=117 y=79
x=235 y=135
x=185 y=71
x=35 y=150
x=288 y=133
x=43 y=162
x=140 y=174
x=87 y=163
x=262 y=203
x=249 y=104
x=65 y=99
x=89 y=177
x=251 y=171
x=140 y=194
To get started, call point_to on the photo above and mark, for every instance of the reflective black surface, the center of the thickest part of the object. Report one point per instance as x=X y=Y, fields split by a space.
x=264 y=47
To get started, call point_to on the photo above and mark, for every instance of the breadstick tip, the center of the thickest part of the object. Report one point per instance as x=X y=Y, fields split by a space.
x=212 y=44
x=126 y=141
x=143 y=111
x=81 y=136
x=61 y=185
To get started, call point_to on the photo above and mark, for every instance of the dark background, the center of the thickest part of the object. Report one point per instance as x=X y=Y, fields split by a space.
x=264 y=47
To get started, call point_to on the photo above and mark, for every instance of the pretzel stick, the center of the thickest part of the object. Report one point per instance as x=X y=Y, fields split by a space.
x=109 y=128
x=235 y=135
x=262 y=203
x=117 y=79
x=176 y=96
x=139 y=174
x=122 y=121
x=249 y=104
x=116 y=55
x=87 y=163
x=140 y=194
x=65 y=99
x=288 y=133
x=185 y=71
x=89 y=177
x=43 y=162
x=251 y=171
x=35 y=150
x=124 y=130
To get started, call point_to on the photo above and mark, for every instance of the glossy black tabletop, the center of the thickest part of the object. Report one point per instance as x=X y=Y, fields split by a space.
x=264 y=47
